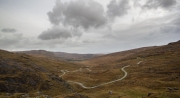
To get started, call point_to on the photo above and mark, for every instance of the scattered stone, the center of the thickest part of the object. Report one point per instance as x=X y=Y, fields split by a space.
x=172 y=89
x=38 y=92
x=46 y=96
x=175 y=88
x=25 y=95
x=110 y=92
x=149 y=94
x=169 y=88
x=8 y=94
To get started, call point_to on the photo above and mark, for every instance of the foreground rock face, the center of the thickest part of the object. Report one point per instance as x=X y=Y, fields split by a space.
x=24 y=81
x=16 y=78
x=20 y=74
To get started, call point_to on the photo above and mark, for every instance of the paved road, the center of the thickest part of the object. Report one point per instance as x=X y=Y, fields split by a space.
x=66 y=71
x=82 y=85
x=139 y=62
x=88 y=69
x=63 y=71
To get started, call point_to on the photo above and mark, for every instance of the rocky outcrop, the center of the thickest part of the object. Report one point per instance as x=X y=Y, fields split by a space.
x=21 y=73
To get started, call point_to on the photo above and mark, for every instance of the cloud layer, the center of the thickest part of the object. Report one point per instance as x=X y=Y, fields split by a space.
x=154 y=4
x=88 y=26
x=8 y=30
x=117 y=8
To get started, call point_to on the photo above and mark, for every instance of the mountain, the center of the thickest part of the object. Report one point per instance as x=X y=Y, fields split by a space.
x=61 y=55
x=147 y=72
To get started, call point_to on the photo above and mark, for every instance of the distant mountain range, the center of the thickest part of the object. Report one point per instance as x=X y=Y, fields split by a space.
x=61 y=55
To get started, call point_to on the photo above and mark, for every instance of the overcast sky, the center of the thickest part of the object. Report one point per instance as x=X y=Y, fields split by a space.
x=87 y=26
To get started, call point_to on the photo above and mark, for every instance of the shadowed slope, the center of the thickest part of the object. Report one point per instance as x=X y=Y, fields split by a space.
x=21 y=73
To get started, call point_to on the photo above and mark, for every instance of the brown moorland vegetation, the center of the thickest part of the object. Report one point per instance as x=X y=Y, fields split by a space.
x=154 y=72
x=24 y=74
x=156 y=76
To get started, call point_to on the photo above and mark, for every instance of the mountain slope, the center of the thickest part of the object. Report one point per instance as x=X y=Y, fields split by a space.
x=114 y=57
x=21 y=73
x=153 y=73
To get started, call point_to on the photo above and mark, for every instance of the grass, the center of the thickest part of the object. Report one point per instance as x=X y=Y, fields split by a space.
x=159 y=71
x=31 y=74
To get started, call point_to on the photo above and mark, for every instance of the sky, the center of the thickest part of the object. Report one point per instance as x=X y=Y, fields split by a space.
x=87 y=26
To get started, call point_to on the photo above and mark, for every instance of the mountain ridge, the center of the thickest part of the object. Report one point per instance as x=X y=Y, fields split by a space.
x=60 y=55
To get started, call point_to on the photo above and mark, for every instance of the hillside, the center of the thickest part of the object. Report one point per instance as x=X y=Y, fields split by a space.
x=148 y=72
x=154 y=72
x=75 y=56
x=114 y=57
x=61 y=55
x=21 y=74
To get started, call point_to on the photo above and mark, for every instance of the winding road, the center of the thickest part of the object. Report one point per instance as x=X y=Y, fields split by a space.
x=139 y=62
x=85 y=87
x=88 y=69
x=66 y=71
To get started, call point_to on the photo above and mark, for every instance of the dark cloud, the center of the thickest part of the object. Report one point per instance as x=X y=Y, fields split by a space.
x=79 y=13
x=8 y=30
x=54 y=33
x=154 y=4
x=117 y=8
x=59 y=33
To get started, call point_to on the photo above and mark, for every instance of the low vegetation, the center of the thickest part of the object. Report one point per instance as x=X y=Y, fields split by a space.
x=154 y=72
x=21 y=73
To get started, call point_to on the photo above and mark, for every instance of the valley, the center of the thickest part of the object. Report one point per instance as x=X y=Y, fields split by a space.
x=148 y=72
